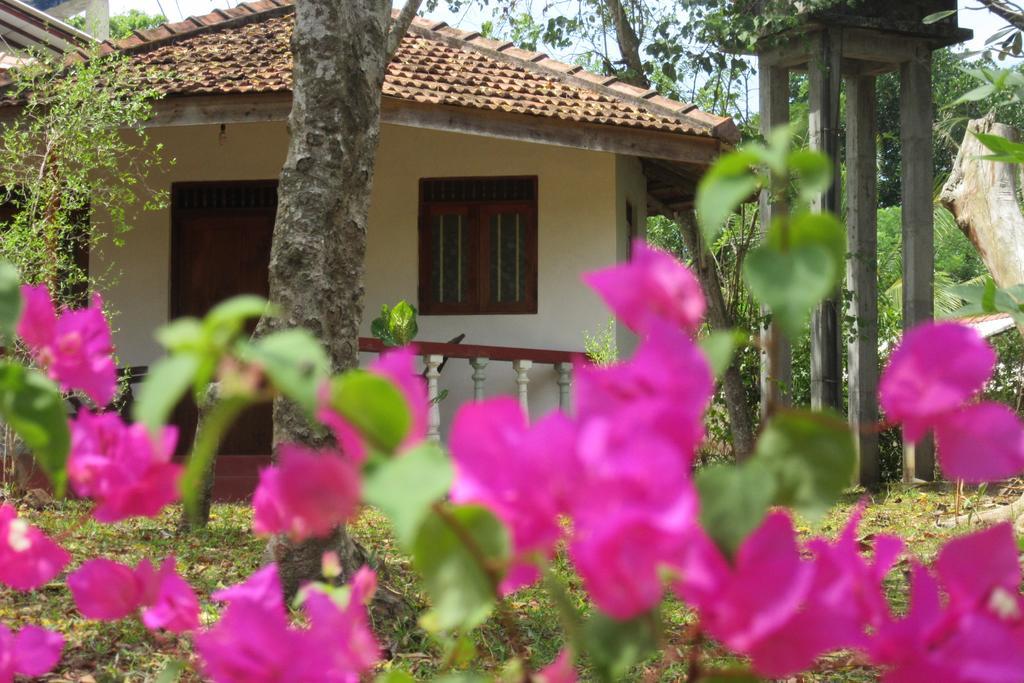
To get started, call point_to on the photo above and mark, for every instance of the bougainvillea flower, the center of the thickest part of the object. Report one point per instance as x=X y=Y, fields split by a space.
x=977 y=633
x=254 y=643
x=527 y=497
x=766 y=584
x=664 y=389
x=981 y=442
x=845 y=600
x=262 y=587
x=306 y=494
x=633 y=510
x=652 y=286
x=935 y=370
x=169 y=602
x=559 y=671
x=31 y=652
x=107 y=591
x=125 y=470
x=28 y=557
x=75 y=347
x=343 y=633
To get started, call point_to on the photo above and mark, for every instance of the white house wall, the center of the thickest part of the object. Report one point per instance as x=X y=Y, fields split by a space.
x=581 y=226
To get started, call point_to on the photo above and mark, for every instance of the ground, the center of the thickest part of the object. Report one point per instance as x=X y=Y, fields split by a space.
x=225 y=553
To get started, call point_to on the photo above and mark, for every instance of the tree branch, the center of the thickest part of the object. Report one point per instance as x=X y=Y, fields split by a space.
x=629 y=46
x=399 y=25
x=1005 y=11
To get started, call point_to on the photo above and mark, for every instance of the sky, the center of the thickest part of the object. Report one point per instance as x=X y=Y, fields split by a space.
x=983 y=22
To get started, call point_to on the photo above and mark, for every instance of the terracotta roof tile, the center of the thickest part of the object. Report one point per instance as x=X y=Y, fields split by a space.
x=246 y=49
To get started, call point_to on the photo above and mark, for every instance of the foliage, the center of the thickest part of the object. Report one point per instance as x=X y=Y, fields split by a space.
x=601 y=347
x=123 y=25
x=396 y=326
x=77 y=148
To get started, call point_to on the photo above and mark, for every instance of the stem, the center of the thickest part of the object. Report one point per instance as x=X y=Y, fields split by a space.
x=693 y=670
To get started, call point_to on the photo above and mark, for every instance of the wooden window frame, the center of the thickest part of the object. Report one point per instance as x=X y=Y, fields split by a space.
x=478 y=279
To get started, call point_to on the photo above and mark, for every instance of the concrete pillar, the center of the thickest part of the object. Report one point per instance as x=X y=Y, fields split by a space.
x=862 y=272
x=824 y=86
x=776 y=351
x=918 y=218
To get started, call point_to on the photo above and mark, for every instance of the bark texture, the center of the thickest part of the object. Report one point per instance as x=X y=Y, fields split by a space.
x=740 y=419
x=983 y=197
x=629 y=46
x=340 y=53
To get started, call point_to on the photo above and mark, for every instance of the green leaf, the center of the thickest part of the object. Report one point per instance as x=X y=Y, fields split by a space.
x=295 y=363
x=1003 y=150
x=982 y=92
x=811 y=456
x=719 y=347
x=172 y=671
x=814 y=172
x=402 y=323
x=33 y=407
x=822 y=229
x=210 y=432
x=730 y=182
x=394 y=676
x=790 y=283
x=936 y=17
x=404 y=488
x=166 y=383
x=10 y=300
x=374 y=406
x=227 y=319
x=183 y=334
x=462 y=591
x=733 y=501
x=615 y=647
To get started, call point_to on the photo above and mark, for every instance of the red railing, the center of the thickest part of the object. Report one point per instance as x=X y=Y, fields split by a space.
x=469 y=351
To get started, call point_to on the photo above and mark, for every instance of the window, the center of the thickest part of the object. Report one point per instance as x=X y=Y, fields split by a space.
x=478 y=245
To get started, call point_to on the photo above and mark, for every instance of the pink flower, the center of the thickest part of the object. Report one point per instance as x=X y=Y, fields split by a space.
x=75 y=347
x=664 y=389
x=262 y=587
x=742 y=604
x=845 y=599
x=108 y=591
x=306 y=494
x=653 y=286
x=28 y=558
x=122 y=467
x=558 y=671
x=633 y=509
x=254 y=643
x=527 y=497
x=935 y=370
x=982 y=442
x=32 y=652
x=977 y=634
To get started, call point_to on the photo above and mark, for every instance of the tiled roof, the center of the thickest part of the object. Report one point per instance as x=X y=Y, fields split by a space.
x=245 y=49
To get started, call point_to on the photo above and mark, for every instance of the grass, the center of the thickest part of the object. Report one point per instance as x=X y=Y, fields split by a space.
x=225 y=553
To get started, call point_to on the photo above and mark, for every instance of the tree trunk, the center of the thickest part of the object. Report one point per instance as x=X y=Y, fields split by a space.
x=201 y=518
x=629 y=46
x=983 y=198
x=718 y=316
x=341 y=51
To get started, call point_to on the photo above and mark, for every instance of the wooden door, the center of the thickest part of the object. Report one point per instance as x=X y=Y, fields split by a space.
x=221 y=248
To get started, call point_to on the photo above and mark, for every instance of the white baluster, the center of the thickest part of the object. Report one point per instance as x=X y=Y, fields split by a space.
x=522 y=368
x=478 y=377
x=564 y=371
x=433 y=364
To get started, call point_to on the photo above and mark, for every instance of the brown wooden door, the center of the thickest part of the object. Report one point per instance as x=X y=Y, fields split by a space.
x=221 y=248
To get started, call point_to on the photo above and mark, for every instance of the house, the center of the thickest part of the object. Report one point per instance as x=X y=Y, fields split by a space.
x=502 y=175
x=25 y=29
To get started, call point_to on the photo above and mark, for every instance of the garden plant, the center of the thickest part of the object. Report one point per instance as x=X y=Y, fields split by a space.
x=612 y=485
